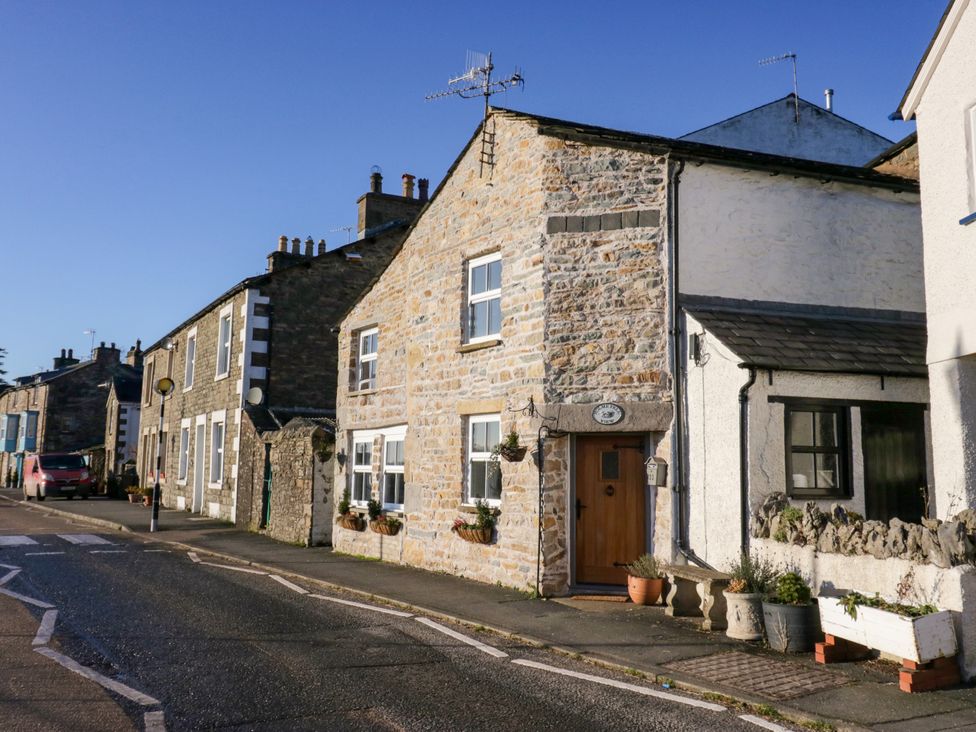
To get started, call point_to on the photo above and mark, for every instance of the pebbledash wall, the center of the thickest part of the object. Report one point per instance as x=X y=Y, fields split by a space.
x=579 y=228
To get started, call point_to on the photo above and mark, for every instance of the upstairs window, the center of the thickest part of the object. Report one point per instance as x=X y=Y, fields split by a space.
x=184 y=453
x=191 y=358
x=366 y=359
x=818 y=451
x=362 y=472
x=223 y=343
x=484 y=478
x=484 y=298
x=148 y=382
x=216 y=452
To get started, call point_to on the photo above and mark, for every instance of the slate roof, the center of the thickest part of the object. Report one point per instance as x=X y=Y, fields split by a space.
x=128 y=383
x=829 y=341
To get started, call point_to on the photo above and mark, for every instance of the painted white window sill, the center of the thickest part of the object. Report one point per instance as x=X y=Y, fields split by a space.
x=394 y=508
x=181 y=482
x=495 y=507
x=479 y=345
x=215 y=486
x=221 y=377
x=187 y=388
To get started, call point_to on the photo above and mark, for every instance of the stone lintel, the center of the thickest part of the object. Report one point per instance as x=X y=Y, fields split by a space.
x=638 y=417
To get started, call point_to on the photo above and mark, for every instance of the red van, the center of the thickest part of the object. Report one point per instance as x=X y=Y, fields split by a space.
x=56 y=474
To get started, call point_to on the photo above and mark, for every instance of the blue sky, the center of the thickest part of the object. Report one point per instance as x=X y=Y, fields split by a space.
x=151 y=153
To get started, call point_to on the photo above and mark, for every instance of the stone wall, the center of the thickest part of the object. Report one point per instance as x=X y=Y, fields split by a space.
x=582 y=322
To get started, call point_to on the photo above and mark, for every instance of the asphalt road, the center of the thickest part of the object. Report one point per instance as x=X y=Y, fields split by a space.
x=228 y=649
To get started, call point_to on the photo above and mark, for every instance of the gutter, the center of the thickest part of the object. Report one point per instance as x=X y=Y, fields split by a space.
x=679 y=487
x=744 y=461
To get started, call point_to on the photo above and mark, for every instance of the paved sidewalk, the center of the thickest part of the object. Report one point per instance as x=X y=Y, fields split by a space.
x=850 y=696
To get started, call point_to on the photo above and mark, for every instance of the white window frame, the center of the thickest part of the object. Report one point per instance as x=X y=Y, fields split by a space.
x=362 y=358
x=189 y=366
x=393 y=434
x=148 y=378
x=184 y=454
x=217 y=453
x=471 y=456
x=481 y=297
x=226 y=313
x=361 y=438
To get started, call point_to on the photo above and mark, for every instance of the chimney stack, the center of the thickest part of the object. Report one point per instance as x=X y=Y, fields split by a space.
x=71 y=353
x=423 y=185
x=64 y=361
x=309 y=246
x=282 y=243
x=376 y=182
x=829 y=96
x=408 y=185
x=106 y=353
x=321 y=247
x=134 y=356
x=296 y=246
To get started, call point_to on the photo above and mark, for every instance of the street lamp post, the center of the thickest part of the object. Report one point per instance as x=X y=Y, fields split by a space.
x=163 y=387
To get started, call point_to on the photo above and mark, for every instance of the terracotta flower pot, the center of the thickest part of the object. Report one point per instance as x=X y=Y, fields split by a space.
x=745 y=615
x=475 y=536
x=380 y=527
x=352 y=522
x=644 y=591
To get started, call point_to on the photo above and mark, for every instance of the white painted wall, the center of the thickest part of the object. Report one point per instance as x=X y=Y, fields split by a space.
x=948 y=178
x=755 y=236
x=832 y=574
x=773 y=128
x=712 y=393
x=130 y=446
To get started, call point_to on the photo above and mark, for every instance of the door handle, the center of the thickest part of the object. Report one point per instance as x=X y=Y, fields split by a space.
x=579 y=507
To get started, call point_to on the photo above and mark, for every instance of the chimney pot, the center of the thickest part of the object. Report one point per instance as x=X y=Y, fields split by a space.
x=829 y=96
x=296 y=246
x=408 y=185
x=309 y=244
x=282 y=243
x=71 y=353
x=112 y=344
x=138 y=344
x=423 y=186
x=62 y=353
x=101 y=344
x=375 y=182
x=321 y=247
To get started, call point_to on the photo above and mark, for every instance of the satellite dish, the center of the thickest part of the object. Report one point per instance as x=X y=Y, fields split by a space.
x=254 y=396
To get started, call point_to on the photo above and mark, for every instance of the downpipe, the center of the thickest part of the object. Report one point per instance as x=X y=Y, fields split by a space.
x=744 y=461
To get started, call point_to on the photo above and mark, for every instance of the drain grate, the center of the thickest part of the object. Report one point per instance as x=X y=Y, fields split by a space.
x=761 y=675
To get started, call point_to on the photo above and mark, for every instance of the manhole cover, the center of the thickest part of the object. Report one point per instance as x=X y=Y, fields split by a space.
x=774 y=679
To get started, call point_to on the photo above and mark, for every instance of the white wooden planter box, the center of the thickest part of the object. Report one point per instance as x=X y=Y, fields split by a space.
x=917 y=639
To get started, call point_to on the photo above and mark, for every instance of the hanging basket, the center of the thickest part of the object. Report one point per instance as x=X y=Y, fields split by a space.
x=352 y=521
x=513 y=454
x=475 y=536
x=381 y=527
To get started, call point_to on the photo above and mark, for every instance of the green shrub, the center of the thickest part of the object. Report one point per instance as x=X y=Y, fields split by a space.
x=790 y=589
x=374 y=509
x=344 y=504
x=791 y=515
x=645 y=566
x=752 y=573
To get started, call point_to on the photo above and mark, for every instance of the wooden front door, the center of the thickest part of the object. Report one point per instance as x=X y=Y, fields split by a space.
x=893 y=438
x=610 y=510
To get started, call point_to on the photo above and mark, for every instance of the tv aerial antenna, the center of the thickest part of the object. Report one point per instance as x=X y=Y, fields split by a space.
x=347 y=229
x=796 y=98
x=477 y=82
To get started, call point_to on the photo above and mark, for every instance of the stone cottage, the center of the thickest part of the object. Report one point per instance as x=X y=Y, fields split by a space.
x=61 y=410
x=260 y=354
x=544 y=296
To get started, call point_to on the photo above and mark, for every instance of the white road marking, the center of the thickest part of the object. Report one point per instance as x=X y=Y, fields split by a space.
x=46 y=628
x=193 y=557
x=109 y=551
x=9 y=566
x=17 y=541
x=9 y=576
x=28 y=600
x=364 y=606
x=40 y=554
x=117 y=686
x=622 y=685
x=84 y=539
x=289 y=585
x=200 y=518
x=236 y=569
x=154 y=721
x=155 y=550
x=764 y=723
x=484 y=648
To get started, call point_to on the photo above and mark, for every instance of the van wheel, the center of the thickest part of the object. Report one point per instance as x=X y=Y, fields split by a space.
x=40 y=495
x=70 y=496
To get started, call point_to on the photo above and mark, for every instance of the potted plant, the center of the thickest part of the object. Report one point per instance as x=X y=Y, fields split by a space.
x=147 y=494
x=510 y=449
x=919 y=633
x=134 y=493
x=788 y=615
x=347 y=519
x=752 y=578
x=644 y=580
x=386 y=525
x=479 y=531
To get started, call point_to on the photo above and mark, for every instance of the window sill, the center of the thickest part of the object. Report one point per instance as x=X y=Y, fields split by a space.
x=967 y=220
x=181 y=482
x=395 y=510
x=471 y=508
x=479 y=345
x=215 y=486
x=363 y=392
x=221 y=377
x=808 y=496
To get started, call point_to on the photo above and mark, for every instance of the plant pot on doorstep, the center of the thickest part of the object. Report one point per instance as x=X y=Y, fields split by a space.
x=744 y=615
x=352 y=521
x=475 y=536
x=644 y=591
x=790 y=628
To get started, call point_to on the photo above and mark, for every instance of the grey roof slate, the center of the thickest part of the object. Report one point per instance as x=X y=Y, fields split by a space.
x=789 y=341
